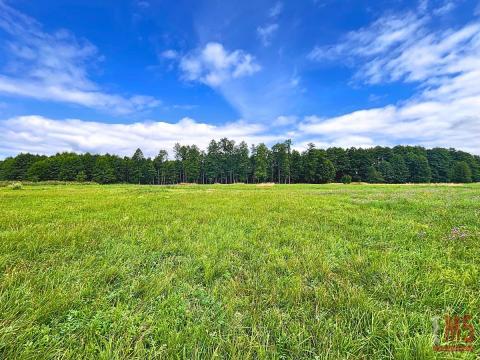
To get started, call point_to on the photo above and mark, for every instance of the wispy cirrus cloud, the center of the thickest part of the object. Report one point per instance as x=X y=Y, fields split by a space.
x=445 y=8
x=55 y=67
x=444 y=65
x=275 y=10
x=379 y=37
x=404 y=48
x=266 y=32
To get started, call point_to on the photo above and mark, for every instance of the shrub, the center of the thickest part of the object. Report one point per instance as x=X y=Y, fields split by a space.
x=16 y=186
x=346 y=179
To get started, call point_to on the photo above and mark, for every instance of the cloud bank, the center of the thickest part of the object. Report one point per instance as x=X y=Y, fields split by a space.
x=37 y=134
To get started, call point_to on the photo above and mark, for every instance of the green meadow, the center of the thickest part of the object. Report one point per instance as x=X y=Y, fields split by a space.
x=236 y=271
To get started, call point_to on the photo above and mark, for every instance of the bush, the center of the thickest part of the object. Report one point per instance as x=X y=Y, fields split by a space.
x=16 y=186
x=346 y=179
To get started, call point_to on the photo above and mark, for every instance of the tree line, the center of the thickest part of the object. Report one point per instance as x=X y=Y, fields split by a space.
x=227 y=162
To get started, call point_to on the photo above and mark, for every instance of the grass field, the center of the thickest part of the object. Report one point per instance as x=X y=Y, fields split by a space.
x=241 y=271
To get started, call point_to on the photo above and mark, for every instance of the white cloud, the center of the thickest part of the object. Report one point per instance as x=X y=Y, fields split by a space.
x=423 y=6
x=214 y=65
x=429 y=123
x=55 y=66
x=261 y=97
x=41 y=135
x=443 y=8
x=265 y=33
x=284 y=120
x=382 y=35
x=426 y=123
x=169 y=54
x=447 y=7
x=403 y=48
x=275 y=10
x=93 y=99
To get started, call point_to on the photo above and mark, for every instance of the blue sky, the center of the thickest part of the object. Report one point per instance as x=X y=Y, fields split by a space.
x=110 y=76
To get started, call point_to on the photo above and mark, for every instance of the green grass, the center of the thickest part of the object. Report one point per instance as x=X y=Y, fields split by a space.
x=241 y=271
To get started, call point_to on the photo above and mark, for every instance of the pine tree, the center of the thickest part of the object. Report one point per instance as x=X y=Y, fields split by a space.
x=296 y=167
x=243 y=161
x=159 y=164
x=260 y=157
x=137 y=164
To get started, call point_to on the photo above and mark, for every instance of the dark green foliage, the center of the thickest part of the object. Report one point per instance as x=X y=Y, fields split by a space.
x=212 y=162
x=440 y=161
x=47 y=169
x=386 y=172
x=226 y=162
x=318 y=168
x=360 y=162
x=70 y=165
x=103 y=172
x=81 y=176
x=472 y=163
x=281 y=154
x=476 y=169
x=17 y=168
x=243 y=161
x=400 y=169
x=340 y=160
x=418 y=167
x=88 y=164
x=296 y=167
x=260 y=163
x=374 y=176
x=461 y=172
x=160 y=166
x=346 y=179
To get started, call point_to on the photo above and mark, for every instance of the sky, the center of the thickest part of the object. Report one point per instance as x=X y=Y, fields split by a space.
x=111 y=76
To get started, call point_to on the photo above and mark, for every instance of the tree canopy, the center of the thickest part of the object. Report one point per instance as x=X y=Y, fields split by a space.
x=226 y=162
